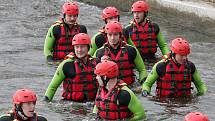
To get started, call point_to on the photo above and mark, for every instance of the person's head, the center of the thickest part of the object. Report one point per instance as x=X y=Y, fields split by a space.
x=180 y=49
x=24 y=101
x=105 y=71
x=114 y=33
x=110 y=14
x=140 y=11
x=81 y=43
x=70 y=12
x=196 y=116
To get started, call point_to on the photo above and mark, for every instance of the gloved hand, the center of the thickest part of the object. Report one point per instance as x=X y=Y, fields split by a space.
x=46 y=99
x=50 y=59
x=144 y=93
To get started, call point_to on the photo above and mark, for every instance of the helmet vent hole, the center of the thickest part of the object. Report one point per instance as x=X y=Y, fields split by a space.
x=25 y=96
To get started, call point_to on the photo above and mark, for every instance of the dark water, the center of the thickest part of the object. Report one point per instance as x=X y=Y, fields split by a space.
x=24 y=23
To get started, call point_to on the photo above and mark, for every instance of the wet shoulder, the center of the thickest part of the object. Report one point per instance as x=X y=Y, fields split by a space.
x=100 y=52
x=83 y=29
x=41 y=118
x=100 y=40
x=156 y=27
x=127 y=30
x=5 y=117
x=132 y=52
x=192 y=66
x=124 y=97
x=69 y=67
x=161 y=67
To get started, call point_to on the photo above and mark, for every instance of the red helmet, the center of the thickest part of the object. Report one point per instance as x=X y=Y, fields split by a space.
x=180 y=46
x=24 y=95
x=113 y=27
x=109 y=12
x=81 y=39
x=196 y=116
x=107 y=68
x=70 y=8
x=140 y=6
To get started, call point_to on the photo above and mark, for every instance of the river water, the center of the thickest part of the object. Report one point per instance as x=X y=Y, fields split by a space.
x=24 y=23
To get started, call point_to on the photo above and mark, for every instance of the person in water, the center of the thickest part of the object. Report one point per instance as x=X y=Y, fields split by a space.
x=99 y=39
x=58 y=42
x=175 y=73
x=144 y=33
x=76 y=73
x=24 y=102
x=126 y=56
x=114 y=100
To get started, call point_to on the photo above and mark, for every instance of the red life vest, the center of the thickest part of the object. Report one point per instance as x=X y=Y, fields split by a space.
x=144 y=37
x=176 y=82
x=83 y=87
x=125 y=67
x=63 y=46
x=107 y=104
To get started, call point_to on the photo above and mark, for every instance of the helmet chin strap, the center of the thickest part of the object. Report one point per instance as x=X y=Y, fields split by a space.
x=105 y=80
x=20 y=113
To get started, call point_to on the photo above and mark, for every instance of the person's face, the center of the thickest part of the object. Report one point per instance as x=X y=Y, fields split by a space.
x=70 y=18
x=28 y=108
x=113 y=39
x=181 y=59
x=114 y=18
x=81 y=50
x=99 y=80
x=138 y=16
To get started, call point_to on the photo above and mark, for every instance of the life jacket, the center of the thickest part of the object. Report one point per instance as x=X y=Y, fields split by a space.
x=144 y=37
x=83 y=86
x=63 y=46
x=176 y=82
x=125 y=67
x=14 y=116
x=107 y=104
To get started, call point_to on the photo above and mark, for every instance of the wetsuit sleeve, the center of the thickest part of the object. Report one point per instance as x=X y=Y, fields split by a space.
x=135 y=106
x=95 y=109
x=139 y=65
x=199 y=84
x=49 y=42
x=83 y=29
x=150 y=80
x=162 y=44
x=97 y=41
x=59 y=76
x=40 y=118
x=5 y=117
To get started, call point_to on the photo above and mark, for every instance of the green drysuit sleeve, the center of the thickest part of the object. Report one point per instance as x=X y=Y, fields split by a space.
x=49 y=42
x=130 y=42
x=162 y=44
x=56 y=81
x=93 y=47
x=150 y=80
x=199 y=84
x=138 y=61
x=135 y=106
